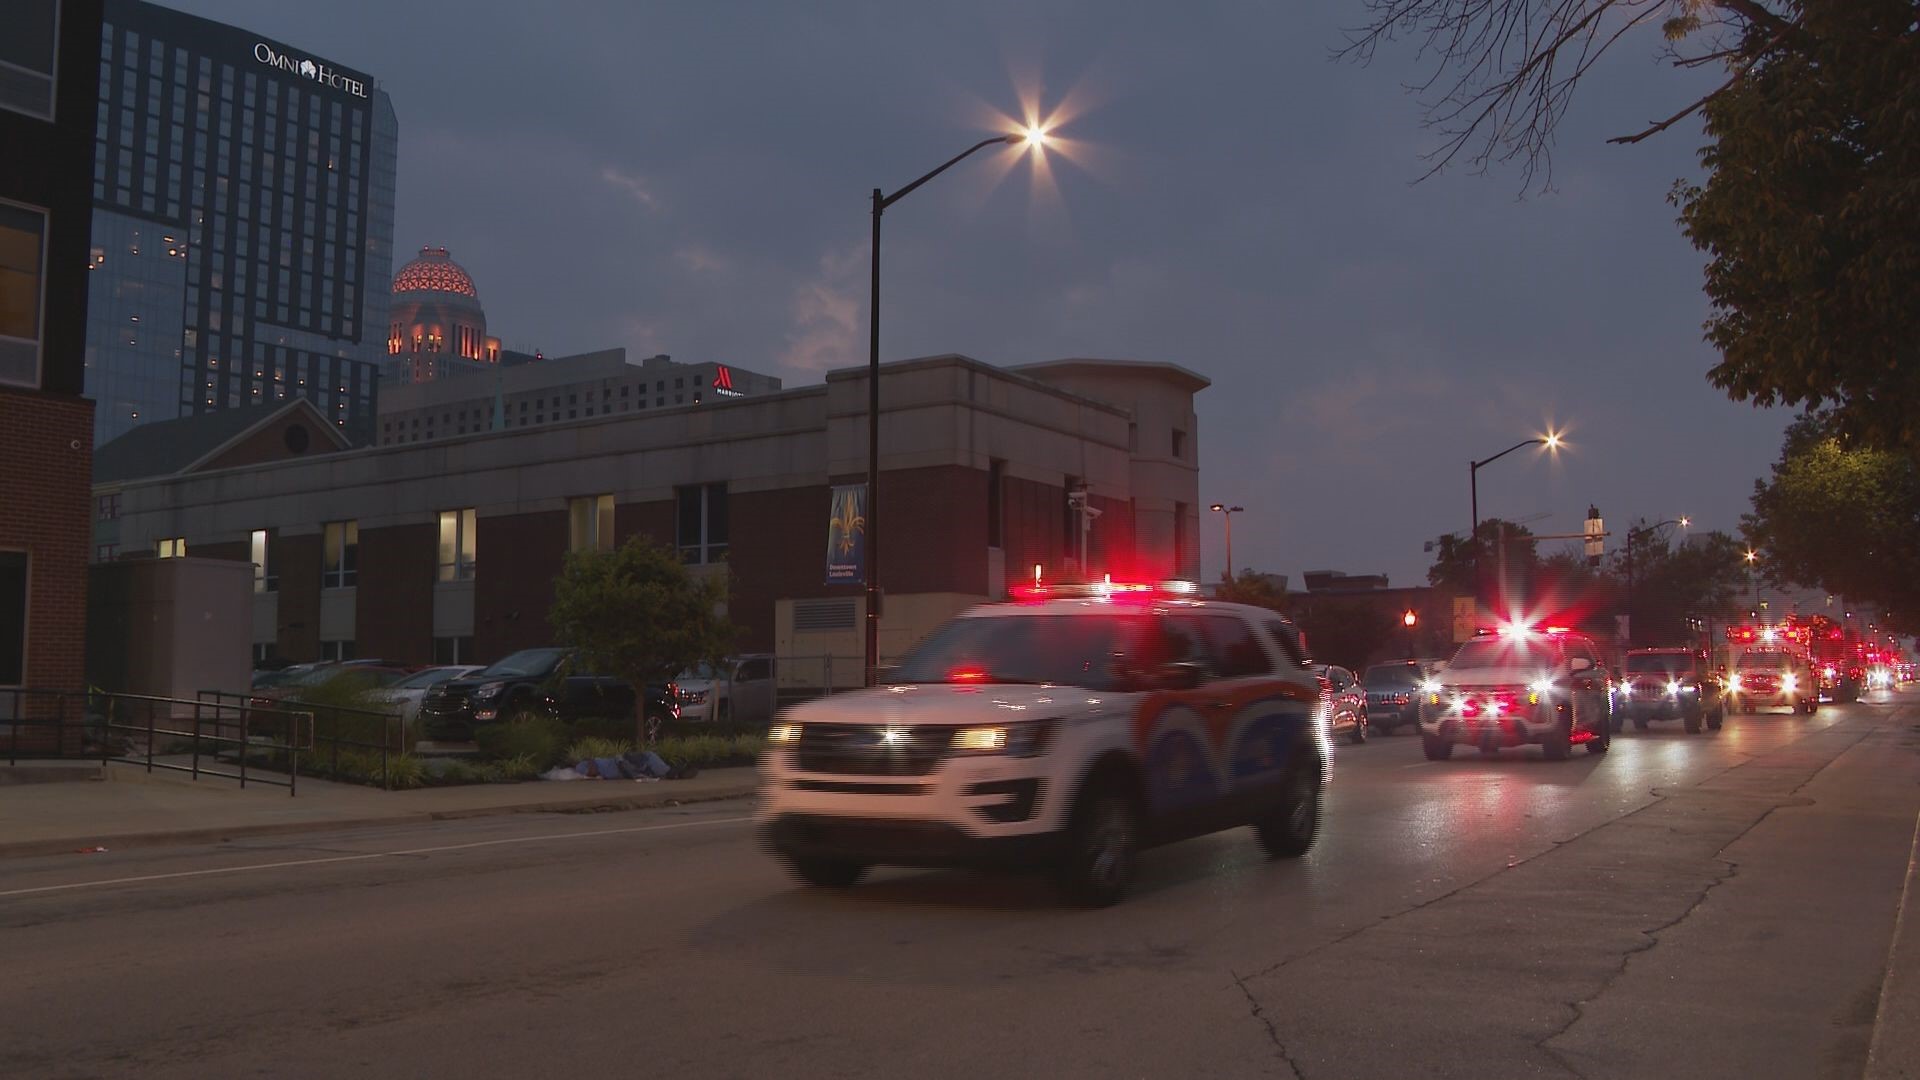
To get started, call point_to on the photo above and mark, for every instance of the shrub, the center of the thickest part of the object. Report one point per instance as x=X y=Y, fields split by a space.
x=710 y=751
x=343 y=707
x=517 y=768
x=596 y=747
x=538 y=738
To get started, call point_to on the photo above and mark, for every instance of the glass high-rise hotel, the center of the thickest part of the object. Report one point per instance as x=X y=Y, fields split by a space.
x=242 y=229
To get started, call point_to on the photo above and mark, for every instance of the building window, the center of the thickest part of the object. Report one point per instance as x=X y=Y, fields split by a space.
x=173 y=547
x=996 y=478
x=22 y=257
x=106 y=552
x=336 y=650
x=263 y=576
x=13 y=617
x=263 y=653
x=453 y=650
x=702 y=523
x=109 y=506
x=1179 y=444
x=456 y=545
x=590 y=523
x=34 y=30
x=340 y=550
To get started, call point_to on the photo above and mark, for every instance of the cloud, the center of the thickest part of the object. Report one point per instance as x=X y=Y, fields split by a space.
x=701 y=259
x=632 y=185
x=825 y=311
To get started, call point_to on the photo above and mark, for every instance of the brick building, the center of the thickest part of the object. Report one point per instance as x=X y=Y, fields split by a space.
x=447 y=550
x=47 y=108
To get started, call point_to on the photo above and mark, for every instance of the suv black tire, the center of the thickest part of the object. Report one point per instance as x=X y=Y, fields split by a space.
x=827 y=873
x=1639 y=723
x=1692 y=722
x=1290 y=827
x=1438 y=747
x=1717 y=717
x=1602 y=740
x=1359 y=733
x=1103 y=846
x=1558 y=744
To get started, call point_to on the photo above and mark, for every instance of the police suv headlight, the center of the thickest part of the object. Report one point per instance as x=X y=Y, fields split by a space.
x=1025 y=739
x=783 y=734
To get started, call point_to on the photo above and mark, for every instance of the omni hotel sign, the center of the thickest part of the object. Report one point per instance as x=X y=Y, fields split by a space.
x=308 y=69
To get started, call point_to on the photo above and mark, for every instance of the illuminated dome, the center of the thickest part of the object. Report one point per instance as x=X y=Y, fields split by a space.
x=436 y=320
x=434 y=272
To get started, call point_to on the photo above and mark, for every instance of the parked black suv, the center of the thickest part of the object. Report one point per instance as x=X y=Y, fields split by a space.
x=544 y=681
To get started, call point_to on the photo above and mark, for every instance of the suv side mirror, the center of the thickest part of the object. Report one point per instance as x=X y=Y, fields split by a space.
x=1580 y=663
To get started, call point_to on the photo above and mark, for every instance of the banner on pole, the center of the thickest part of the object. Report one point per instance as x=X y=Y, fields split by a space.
x=847 y=535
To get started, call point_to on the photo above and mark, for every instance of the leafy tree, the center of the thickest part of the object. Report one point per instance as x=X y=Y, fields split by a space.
x=637 y=613
x=1843 y=517
x=1812 y=222
x=1453 y=562
x=1672 y=583
x=1261 y=590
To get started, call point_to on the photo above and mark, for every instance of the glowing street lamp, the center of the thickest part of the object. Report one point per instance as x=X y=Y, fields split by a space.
x=1033 y=137
x=1551 y=440
x=1227 y=512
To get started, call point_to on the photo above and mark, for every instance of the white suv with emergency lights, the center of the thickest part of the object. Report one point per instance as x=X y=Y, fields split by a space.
x=1069 y=729
x=1519 y=686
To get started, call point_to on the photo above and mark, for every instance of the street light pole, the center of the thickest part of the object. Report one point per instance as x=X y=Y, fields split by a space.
x=1634 y=532
x=881 y=201
x=1227 y=512
x=1550 y=440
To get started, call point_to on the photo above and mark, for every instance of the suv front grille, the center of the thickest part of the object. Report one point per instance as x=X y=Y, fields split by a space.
x=862 y=750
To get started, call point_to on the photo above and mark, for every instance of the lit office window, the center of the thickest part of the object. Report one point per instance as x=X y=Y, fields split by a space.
x=590 y=523
x=341 y=551
x=263 y=576
x=173 y=547
x=456 y=545
x=22 y=255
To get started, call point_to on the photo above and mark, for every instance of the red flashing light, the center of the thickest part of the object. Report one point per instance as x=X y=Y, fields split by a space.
x=1559 y=630
x=967 y=674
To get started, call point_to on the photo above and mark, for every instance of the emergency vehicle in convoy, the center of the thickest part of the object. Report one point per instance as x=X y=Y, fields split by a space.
x=1771 y=667
x=1069 y=728
x=1670 y=684
x=1836 y=659
x=1519 y=685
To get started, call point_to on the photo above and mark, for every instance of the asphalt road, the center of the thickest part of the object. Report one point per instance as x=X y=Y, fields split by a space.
x=1714 y=905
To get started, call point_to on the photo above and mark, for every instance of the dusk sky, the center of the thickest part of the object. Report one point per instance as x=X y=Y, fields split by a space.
x=693 y=179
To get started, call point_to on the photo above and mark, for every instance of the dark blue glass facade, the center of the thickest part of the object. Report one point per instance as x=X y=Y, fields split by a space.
x=243 y=225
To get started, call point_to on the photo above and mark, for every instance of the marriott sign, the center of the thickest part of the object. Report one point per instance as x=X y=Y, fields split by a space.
x=309 y=69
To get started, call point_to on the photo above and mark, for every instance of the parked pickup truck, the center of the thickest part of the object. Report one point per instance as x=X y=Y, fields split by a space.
x=542 y=681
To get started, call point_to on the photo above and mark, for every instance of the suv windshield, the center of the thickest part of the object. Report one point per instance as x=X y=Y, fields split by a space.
x=1393 y=675
x=420 y=680
x=527 y=662
x=1668 y=664
x=1070 y=650
x=1764 y=660
x=1504 y=652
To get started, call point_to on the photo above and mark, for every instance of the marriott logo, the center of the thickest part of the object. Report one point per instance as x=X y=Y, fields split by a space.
x=308 y=69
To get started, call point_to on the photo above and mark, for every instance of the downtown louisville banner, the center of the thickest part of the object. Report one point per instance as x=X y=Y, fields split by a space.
x=847 y=535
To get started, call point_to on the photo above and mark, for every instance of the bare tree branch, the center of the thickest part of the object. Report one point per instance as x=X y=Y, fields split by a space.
x=1503 y=72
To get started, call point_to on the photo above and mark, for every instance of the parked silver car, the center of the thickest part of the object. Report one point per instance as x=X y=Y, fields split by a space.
x=739 y=690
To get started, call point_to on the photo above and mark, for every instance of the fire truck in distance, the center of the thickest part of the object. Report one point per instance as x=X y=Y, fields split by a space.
x=1771 y=666
x=1838 y=659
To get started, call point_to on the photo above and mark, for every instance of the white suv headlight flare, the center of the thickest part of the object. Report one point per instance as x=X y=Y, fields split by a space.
x=1026 y=739
x=784 y=734
x=1789 y=682
x=1673 y=688
x=1733 y=682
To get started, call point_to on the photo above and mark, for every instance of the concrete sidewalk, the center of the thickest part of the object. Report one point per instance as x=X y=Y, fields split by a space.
x=132 y=808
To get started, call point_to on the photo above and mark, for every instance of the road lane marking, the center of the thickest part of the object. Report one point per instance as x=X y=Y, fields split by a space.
x=364 y=856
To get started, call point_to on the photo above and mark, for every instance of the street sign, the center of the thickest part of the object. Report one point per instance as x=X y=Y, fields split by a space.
x=1596 y=534
x=1466 y=618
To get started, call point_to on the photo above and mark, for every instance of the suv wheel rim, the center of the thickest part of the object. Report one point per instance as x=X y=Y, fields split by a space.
x=1300 y=813
x=1110 y=845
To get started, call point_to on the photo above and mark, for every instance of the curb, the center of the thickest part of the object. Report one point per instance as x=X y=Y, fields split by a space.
x=1889 y=1056
x=648 y=801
